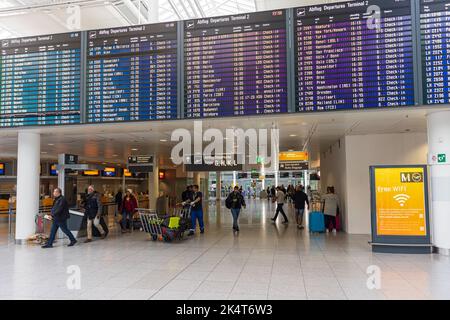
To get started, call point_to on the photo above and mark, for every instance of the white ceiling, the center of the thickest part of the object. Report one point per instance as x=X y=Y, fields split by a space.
x=32 y=17
x=113 y=143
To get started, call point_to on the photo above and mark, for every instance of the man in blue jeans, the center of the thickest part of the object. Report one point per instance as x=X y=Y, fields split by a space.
x=60 y=215
x=235 y=201
x=197 y=210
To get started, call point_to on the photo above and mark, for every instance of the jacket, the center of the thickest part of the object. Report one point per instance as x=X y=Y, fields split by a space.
x=129 y=205
x=236 y=200
x=93 y=205
x=60 y=209
x=299 y=200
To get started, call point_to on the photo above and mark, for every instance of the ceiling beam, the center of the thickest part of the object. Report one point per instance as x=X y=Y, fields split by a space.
x=175 y=9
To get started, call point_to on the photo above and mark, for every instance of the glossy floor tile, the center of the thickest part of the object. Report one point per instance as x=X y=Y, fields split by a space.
x=265 y=261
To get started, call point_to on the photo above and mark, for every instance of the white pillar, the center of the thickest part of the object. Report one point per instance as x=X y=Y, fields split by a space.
x=28 y=171
x=153 y=185
x=218 y=186
x=439 y=147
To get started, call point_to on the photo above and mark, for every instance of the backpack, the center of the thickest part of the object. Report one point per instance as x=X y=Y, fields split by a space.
x=228 y=202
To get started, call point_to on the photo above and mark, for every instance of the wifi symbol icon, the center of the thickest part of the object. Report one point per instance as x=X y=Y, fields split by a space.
x=401 y=199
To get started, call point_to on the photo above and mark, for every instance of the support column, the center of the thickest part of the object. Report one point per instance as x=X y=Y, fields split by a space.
x=153 y=185
x=218 y=186
x=438 y=159
x=28 y=175
x=197 y=178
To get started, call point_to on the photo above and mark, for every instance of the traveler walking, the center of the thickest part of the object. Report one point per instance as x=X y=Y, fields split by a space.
x=280 y=198
x=300 y=198
x=118 y=201
x=60 y=215
x=197 y=210
x=93 y=211
x=129 y=206
x=235 y=201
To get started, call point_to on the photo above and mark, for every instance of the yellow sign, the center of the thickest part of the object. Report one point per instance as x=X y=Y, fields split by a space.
x=91 y=173
x=400 y=201
x=127 y=173
x=293 y=156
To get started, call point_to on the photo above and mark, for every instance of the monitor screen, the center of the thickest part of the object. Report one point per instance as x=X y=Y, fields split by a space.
x=53 y=171
x=109 y=172
x=2 y=169
x=90 y=173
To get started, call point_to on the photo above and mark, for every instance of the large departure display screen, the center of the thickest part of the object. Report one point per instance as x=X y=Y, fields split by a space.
x=132 y=73
x=235 y=65
x=40 y=80
x=435 y=45
x=354 y=55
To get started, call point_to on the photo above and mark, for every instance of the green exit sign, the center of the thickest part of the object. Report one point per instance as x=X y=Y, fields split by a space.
x=442 y=158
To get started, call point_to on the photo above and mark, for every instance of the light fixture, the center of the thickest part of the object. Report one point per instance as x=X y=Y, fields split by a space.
x=134 y=149
x=163 y=140
x=292 y=135
x=51 y=144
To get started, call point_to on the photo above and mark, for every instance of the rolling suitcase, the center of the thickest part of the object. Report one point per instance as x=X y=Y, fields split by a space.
x=316 y=218
x=316 y=222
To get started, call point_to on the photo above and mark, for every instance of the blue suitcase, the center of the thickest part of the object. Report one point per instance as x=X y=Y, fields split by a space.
x=316 y=221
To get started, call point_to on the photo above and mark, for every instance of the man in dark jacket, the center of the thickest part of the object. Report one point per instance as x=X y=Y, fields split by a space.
x=235 y=201
x=187 y=196
x=300 y=198
x=60 y=215
x=93 y=211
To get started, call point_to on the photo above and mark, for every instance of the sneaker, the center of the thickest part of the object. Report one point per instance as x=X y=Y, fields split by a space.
x=327 y=231
x=87 y=240
x=46 y=246
x=334 y=231
x=202 y=231
x=104 y=235
x=191 y=233
x=71 y=244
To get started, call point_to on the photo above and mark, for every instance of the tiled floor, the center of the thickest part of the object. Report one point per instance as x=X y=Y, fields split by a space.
x=265 y=261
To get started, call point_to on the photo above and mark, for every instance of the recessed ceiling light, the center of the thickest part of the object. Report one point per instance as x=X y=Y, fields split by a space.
x=292 y=135
x=114 y=155
x=134 y=149
x=163 y=140
x=43 y=152
x=51 y=144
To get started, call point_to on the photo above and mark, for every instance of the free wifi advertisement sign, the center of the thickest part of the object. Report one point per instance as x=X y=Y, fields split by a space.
x=400 y=199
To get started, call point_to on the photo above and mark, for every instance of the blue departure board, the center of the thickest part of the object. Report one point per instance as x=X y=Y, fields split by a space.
x=132 y=73
x=235 y=65
x=40 y=80
x=435 y=45
x=354 y=55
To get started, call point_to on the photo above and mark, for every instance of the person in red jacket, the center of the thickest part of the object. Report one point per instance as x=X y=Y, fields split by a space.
x=129 y=205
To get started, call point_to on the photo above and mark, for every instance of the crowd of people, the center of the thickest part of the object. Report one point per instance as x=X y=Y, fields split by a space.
x=192 y=199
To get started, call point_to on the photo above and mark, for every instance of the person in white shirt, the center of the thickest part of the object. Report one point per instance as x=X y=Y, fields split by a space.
x=330 y=209
x=280 y=197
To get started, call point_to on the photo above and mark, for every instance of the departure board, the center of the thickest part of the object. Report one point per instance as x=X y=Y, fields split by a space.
x=235 y=65
x=132 y=73
x=435 y=45
x=354 y=55
x=40 y=80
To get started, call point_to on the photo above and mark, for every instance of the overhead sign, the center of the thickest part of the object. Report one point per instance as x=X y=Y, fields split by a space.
x=293 y=156
x=2 y=169
x=293 y=166
x=399 y=207
x=226 y=162
x=70 y=159
x=140 y=160
x=141 y=163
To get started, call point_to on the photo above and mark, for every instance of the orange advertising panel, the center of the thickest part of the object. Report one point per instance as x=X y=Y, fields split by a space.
x=293 y=156
x=400 y=201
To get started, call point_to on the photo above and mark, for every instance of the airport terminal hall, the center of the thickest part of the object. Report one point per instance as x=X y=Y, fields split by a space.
x=224 y=150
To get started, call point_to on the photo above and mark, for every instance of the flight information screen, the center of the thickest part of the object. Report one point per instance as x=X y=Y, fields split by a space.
x=132 y=73
x=354 y=55
x=40 y=80
x=435 y=45
x=235 y=65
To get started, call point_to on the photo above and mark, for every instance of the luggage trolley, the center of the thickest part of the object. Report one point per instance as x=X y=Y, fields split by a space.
x=151 y=223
